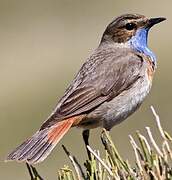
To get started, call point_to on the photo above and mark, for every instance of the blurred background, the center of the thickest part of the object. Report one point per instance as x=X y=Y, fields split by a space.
x=42 y=46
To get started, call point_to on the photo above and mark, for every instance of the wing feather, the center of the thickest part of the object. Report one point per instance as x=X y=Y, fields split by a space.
x=101 y=78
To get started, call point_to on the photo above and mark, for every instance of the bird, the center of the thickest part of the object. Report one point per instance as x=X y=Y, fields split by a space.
x=110 y=86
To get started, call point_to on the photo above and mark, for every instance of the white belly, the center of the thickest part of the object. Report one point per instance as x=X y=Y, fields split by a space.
x=126 y=103
x=118 y=109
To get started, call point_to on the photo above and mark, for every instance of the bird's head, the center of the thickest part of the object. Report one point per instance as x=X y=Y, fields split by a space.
x=127 y=26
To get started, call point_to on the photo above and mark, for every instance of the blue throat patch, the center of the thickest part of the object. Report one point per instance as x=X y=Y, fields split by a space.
x=139 y=43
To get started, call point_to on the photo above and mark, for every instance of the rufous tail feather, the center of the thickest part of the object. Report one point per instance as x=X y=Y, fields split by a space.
x=40 y=145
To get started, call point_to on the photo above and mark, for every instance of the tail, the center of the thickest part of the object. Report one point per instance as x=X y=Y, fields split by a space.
x=40 y=145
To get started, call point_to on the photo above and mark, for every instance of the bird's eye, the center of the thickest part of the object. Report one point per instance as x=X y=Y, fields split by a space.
x=130 y=26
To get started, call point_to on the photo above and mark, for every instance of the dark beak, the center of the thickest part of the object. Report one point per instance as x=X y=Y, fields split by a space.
x=153 y=21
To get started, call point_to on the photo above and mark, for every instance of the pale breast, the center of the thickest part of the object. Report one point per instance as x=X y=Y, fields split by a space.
x=118 y=109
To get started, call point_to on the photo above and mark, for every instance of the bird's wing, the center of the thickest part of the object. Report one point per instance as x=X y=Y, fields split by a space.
x=101 y=78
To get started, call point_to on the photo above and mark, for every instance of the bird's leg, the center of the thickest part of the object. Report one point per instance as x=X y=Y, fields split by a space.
x=85 y=135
